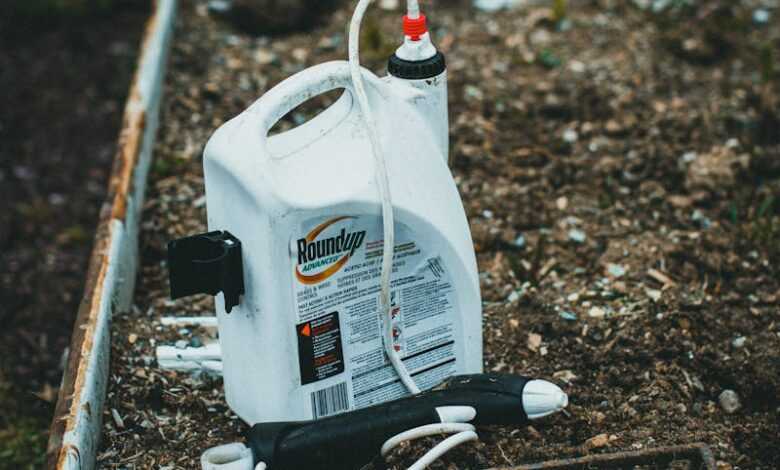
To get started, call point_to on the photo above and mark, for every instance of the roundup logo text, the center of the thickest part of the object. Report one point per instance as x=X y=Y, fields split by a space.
x=318 y=259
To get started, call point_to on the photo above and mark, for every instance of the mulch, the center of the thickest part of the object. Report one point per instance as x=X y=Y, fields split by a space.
x=619 y=168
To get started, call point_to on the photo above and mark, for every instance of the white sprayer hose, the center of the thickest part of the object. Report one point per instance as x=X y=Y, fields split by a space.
x=462 y=434
x=383 y=181
x=424 y=431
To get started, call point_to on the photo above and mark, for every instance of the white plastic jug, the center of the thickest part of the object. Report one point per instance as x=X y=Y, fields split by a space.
x=304 y=341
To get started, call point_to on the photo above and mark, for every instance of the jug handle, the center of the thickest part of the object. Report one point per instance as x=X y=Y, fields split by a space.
x=301 y=87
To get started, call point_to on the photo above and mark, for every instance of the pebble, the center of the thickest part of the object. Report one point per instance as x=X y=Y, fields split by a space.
x=492 y=6
x=596 y=442
x=761 y=16
x=627 y=410
x=699 y=217
x=117 y=419
x=616 y=270
x=739 y=342
x=654 y=294
x=534 y=341
x=576 y=66
x=473 y=92
x=570 y=136
x=389 y=4
x=330 y=43
x=688 y=157
x=577 y=235
x=219 y=6
x=562 y=203
x=132 y=338
x=729 y=401
x=597 y=312
x=520 y=241
x=565 y=375
x=568 y=316
x=265 y=57
x=181 y=344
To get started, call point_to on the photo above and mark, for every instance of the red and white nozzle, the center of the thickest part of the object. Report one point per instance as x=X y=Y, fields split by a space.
x=417 y=44
x=415 y=28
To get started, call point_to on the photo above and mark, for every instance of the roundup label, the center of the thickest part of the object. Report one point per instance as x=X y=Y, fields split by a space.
x=321 y=257
x=337 y=263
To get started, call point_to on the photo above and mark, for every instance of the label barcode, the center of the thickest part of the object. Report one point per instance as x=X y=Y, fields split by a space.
x=329 y=401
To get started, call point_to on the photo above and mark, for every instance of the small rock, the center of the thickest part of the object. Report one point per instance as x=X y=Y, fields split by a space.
x=628 y=410
x=577 y=235
x=729 y=401
x=613 y=127
x=576 y=66
x=565 y=375
x=597 y=442
x=721 y=465
x=488 y=214
x=568 y=316
x=117 y=419
x=132 y=338
x=597 y=312
x=598 y=417
x=739 y=342
x=300 y=54
x=699 y=217
x=541 y=37
x=616 y=270
x=534 y=341
x=562 y=203
x=715 y=169
x=570 y=136
x=688 y=157
x=520 y=241
x=219 y=6
x=265 y=57
x=761 y=16
x=389 y=4
x=181 y=344
x=330 y=42
x=473 y=92
x=654 y=294
x=491 y=6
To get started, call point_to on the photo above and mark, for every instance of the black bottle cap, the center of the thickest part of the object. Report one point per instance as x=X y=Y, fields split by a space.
x=416 y=70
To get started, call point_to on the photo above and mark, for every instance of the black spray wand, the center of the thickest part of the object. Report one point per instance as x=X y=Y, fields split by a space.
x=350 y=440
